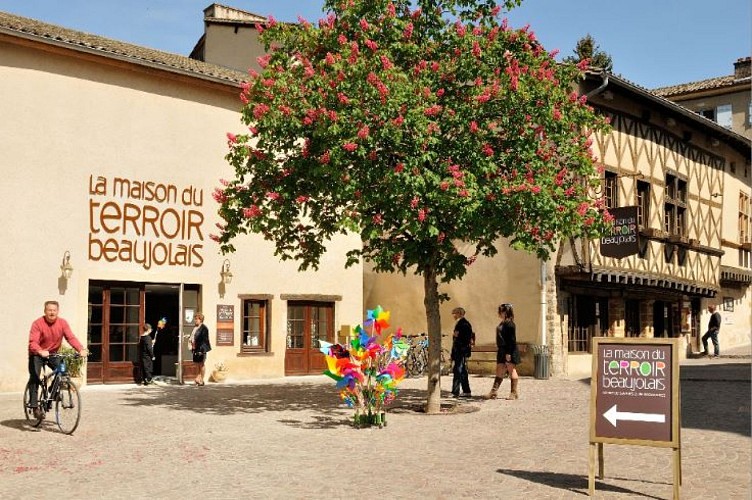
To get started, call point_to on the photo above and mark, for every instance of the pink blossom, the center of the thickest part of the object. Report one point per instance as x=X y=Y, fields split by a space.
x=231 y=138
x=440 y=92
x=399 y=120
x=488 y=150
x=325 y=158
x=342 y=39
x=252 y=211
x=444 y=185
x=535 y=189
x=399 y=168
x=260 y=110
x=583 y=208
x=243 y=98
x=378 y=219
x=349 y=146
x=408 y=32
x=343 y=98
x=219 y=195
x=329 y=58
x=301 y=199
x=485 y=97
x=556 y=114
x=421 y=215
x=273 y=195
x=476 y=49
x=271 y=21
x=386 y=63
x=253 y=130
x=583 y=65
x=495 y=11
x=263 y=61
x=460 y=28
x=463 y=193
x=473 y=127
x=414 y=202
x=372 y=45
x=432 y=110
x=363 y=24
x=364 y=132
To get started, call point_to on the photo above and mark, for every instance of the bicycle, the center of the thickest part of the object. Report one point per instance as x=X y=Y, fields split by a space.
x=58 y=388
x=416 y=363
x=417 y=355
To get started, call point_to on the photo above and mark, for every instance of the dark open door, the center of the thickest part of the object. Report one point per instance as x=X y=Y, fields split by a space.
x=307 y=323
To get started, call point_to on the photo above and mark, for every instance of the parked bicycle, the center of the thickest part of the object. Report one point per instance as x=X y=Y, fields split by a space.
x=416 y=363
x=56 y=389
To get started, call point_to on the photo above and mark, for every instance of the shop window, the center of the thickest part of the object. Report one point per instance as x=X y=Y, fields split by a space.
x=255 y=326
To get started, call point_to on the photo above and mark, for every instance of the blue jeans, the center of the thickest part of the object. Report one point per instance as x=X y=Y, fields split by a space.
x=713 y=335
x=459 y=370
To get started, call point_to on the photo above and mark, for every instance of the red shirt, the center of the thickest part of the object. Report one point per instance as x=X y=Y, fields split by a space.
x=49 y=337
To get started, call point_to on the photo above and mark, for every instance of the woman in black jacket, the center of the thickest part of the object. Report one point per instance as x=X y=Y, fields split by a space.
x=507 y=353
x=200 y=346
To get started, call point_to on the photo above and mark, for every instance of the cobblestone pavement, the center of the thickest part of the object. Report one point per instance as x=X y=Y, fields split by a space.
x=291 y=438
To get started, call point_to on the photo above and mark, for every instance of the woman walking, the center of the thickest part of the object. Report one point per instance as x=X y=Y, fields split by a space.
x=200 y=346
x=507 y=354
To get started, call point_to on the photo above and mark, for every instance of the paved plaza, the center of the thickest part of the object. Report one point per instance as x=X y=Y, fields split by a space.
x=292 y=438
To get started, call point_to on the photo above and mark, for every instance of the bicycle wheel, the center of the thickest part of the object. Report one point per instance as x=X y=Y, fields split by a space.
x=446 y=362
x=68 y=407
x=410 y=362
x=28 y=411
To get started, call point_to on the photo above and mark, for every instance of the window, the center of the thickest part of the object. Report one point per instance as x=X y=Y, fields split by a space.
x=723 y=115
x=255 y=326
x=610 y=190
x=744 y=228
x=675 y=206
x=643 y=204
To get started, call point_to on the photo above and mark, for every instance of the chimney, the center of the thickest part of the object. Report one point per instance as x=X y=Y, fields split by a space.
x=742 y=68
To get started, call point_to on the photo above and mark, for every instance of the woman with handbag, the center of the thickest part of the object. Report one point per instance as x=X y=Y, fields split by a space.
x=200 y=345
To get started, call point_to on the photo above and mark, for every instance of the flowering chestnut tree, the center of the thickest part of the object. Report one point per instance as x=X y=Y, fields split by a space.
x=418 y=124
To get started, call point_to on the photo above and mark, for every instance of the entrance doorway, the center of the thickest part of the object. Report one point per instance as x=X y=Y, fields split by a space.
x=307 y=323
x=116 y=312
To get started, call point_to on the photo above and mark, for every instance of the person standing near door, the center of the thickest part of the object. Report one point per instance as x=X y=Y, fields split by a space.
x=714 y=326
x=200 y=345
x=146 y=354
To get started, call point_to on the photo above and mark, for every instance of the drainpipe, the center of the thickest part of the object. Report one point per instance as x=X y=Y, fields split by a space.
x=601 y=88
x=544 y=328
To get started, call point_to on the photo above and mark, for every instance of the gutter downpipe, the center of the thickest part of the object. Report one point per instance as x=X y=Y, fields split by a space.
x=601 y=88
x=544 y=326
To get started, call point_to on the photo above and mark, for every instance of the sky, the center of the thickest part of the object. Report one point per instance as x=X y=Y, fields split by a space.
x=653 y=43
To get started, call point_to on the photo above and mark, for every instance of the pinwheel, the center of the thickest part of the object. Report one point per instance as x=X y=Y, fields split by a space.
x=367 y=371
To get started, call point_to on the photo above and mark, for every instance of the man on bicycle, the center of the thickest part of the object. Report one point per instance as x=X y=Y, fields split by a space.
x=45 y=338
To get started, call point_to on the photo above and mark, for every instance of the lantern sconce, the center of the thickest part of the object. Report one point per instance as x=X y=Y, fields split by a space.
x=225 y=273
x=66 y=267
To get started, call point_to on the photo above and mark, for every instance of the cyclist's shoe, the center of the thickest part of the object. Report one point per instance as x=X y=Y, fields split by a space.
x=38 y=412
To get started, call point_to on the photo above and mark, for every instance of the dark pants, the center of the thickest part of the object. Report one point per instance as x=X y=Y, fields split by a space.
x=459 y=370
x=146 y=368
x=713 y=336
x=36 y=363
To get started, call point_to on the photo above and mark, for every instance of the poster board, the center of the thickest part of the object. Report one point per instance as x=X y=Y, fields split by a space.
x=635 y=399
x=225 y=325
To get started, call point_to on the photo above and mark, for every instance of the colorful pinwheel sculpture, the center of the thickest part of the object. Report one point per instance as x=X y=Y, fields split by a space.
x=368 y=370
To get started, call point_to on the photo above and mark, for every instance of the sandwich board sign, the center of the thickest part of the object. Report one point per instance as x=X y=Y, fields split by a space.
x=635 y=398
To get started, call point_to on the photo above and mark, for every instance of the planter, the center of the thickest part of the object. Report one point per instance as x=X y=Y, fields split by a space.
x=218 y=376
x=369 y=419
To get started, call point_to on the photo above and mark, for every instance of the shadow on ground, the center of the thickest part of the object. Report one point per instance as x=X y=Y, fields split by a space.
x=716 y=397
x=571 y=482
x=322 y=402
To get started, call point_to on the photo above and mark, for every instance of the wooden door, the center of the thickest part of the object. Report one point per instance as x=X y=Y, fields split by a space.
x=116 y=313
x=307 y=323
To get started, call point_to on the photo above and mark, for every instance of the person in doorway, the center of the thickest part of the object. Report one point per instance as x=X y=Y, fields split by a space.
x=200 y=346
x=507 y=353
x=714 y=326
x=461 y=345
x=45 y=338
x=146 y=354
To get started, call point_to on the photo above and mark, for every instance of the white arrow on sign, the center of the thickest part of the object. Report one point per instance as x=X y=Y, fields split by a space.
x=613 y=415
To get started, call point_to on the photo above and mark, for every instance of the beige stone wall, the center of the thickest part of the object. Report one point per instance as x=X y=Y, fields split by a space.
x=71 y=127
x=740 y=120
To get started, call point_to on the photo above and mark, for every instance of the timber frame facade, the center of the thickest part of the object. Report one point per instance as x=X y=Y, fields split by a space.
x=683 y=173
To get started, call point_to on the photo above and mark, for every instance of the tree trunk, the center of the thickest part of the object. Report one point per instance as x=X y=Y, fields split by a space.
x=431 y=302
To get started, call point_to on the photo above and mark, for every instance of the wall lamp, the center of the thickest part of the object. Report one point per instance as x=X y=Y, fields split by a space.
x=66 y=267
x=716 y=195
x=225 y=273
